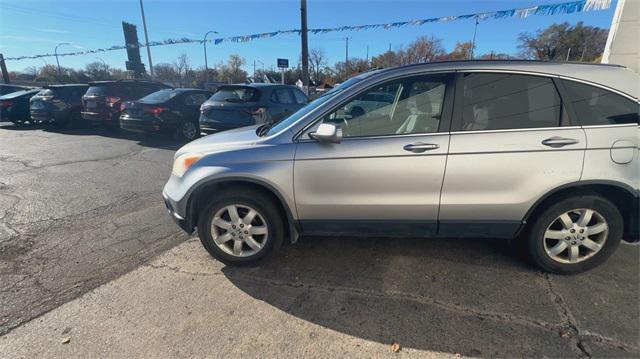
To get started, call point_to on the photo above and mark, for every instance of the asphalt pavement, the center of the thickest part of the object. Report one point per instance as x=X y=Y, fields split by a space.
x=88 y=255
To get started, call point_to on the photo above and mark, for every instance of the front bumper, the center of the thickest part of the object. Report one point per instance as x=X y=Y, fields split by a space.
x=99 y=118
x=172 y=206
x=144 y=125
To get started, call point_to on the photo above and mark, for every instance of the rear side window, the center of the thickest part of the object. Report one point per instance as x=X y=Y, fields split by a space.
x=283 y=96
x=596 y=106
x=509 y=101
x=301 y=98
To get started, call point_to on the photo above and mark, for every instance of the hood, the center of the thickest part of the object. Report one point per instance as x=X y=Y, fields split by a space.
x=223 y=141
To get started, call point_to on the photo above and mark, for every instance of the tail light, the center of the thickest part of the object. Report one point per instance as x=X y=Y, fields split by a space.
x=5 y=104
x=154 y=110
x=123 y=106
x=112 y=101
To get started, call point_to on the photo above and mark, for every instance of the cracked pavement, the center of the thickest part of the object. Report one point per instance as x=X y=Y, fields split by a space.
x=323 y=297
x=77 y=209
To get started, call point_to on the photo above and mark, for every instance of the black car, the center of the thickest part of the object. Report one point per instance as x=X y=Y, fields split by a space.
x=234 y=106
x=14 y=107
x=57 y=104
x=101 y=104
x=169 y=110
x=7 y=88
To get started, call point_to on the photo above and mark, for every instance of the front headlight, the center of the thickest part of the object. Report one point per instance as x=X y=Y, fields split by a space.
x=183 y=162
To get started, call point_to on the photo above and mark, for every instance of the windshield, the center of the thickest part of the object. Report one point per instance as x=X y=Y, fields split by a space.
x=159 y=96
x=237 y=93
x=18 y=94
x=98 y=90
x=313 y=104
x=46 y=93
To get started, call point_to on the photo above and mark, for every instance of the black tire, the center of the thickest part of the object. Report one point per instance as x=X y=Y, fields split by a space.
x=244 y=197
x=602 y=206
x=186 y=135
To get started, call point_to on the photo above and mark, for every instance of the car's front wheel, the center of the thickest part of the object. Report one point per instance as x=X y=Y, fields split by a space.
x=575 y=234
x=241 y=228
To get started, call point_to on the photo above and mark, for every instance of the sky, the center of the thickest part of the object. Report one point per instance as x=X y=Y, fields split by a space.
x=29 y=27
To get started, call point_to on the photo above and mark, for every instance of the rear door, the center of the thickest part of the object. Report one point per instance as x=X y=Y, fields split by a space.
x=190 y=105
x=511 y=142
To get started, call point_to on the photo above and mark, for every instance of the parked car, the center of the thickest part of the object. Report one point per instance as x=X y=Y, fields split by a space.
x=102 y=102
x=57 y=104
x=14 y=107
x=7 y=88
x=546 y=153
x=168 y=110
x=233 y=106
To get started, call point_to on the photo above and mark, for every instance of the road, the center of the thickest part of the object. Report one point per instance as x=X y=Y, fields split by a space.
x=77 y=209
x=82 y=208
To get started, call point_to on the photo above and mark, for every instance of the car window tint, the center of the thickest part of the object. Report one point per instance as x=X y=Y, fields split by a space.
x=508 y=101
x=284 y=96
x=301 y=98
x=596 y=106
x=394 y=108
x=199 y=98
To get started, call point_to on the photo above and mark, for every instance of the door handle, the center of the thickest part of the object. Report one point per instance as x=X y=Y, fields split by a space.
x=420 y=147
x=557 y=142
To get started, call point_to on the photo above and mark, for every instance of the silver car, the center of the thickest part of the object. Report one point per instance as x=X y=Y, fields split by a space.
x=544 y=153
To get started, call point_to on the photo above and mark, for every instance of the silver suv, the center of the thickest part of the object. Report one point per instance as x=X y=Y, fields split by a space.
x=546 y=153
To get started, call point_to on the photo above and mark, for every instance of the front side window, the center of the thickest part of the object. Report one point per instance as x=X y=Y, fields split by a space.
x=596 y=106
x=399 y=107
x=497 y=101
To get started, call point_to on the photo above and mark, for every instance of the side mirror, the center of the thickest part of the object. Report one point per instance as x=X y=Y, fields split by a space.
x=328 y=133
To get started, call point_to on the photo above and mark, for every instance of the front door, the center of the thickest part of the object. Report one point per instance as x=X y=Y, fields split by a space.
x=386 y=174
x=511 y=143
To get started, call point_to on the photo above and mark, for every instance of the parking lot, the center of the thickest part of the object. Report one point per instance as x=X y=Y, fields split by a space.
x=82 y=222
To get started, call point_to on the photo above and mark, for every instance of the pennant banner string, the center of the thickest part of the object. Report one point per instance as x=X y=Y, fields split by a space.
x=540 y=10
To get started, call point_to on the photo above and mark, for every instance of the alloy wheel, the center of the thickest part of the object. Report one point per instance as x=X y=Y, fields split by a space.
x=239 y=230
x=575 y=236
x=189 y=130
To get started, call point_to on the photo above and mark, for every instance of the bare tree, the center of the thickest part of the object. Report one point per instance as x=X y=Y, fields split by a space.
x=317 y=59
x=182 y=67
x=424 y=49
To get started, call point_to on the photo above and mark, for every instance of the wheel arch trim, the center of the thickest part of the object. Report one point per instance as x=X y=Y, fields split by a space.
x=292 y=222
x=574 y=185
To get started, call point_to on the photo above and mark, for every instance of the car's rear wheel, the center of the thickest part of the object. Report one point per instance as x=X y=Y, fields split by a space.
x=241 y=228
x=575 y=234
x=188 y=131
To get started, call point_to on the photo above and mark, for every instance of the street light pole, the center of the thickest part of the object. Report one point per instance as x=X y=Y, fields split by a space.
x=473 y=42
x=204 y=44
x=55 y=51
x=146 y=38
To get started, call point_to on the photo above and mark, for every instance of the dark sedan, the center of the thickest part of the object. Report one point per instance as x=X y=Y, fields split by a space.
x=7 y=88
x=234 y=106
x=14 y=107
x=57 y=104
x=170 y=110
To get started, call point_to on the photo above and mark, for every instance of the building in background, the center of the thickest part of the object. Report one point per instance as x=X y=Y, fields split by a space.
x=623 y=46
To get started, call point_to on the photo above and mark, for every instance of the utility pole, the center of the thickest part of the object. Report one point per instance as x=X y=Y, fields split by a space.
x=568 y=54
x=346 y=58
x=146 y=38
x=305 y=44
x=5 y=73
x=473 y=42
x=368 y=67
